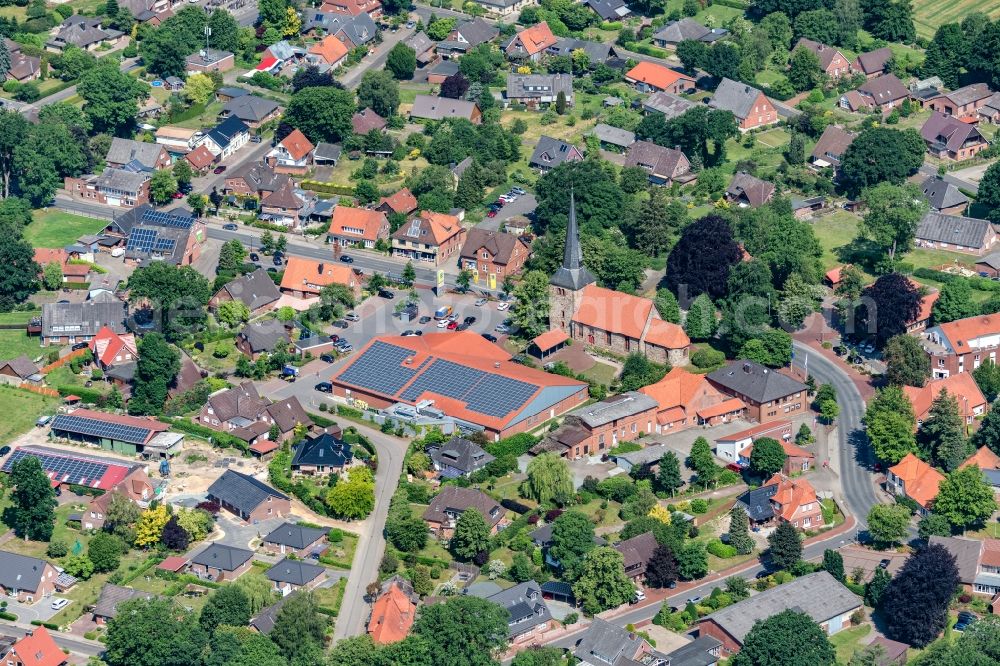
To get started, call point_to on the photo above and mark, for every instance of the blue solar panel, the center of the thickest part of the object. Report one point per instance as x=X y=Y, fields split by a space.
x=380 y=369
x=64 y=469
x=167 y=219
x=163 y=244
x=445 y=378
x=483 y=392
x=97 y=428
x=141 y=240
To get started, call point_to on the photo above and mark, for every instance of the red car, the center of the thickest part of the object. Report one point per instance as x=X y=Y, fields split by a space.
x=452 y=325
x=492 y=213
x=499 y=203
x=177 y=195
x=219 y=169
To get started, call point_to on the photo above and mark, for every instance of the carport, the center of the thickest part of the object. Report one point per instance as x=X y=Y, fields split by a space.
x=548 y=343
x=558 y=591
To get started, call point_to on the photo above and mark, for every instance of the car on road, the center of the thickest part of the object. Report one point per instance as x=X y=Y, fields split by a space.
x=254 y=256
x=480 y=302
x=351 y=316
x=452 y=325
x=884 y=564
x=490 y=337
x=502 y=306
x=255 y=138
x=230 y=227
x=219 y=169
x=694 y=600
x=385 y=293
x=324 y=387
x=59 y=604
x=442 y=323
x=347 y=259
x=425 y=319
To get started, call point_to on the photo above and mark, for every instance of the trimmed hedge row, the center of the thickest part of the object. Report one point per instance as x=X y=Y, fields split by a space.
x=220 y=439
x=328 y=188
x=85 y=394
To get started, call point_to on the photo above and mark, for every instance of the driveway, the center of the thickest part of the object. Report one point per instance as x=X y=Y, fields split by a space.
x=239 y=534
x=524 y=205
x=27 y=613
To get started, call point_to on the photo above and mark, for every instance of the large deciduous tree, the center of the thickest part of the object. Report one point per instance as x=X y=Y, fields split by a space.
x=767 y=456
x=111 y=99
x=908 y=363
x=661 y=570
x=549 y=479
x=300 y=630
x=965 y=498
x=467 y=629
x=602 y=583
x=878 y=155
x=153 y=632
x=155 y=371
x=379 y=92
x=701 y=260
x=893 y=215
x=472 y=535
x=954 y=302
x=33 y=502
x=897 y=304
x=572 y=539
x=789 y=637
x=19 y=279
x=322 y=114
x=227 y=605
x=887 y=524
x=915 y=604
x=988 y=194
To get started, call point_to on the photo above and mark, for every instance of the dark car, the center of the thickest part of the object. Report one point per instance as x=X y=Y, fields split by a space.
x=277 y=260
x=272 y=269
x=340 y=323
x=254 y=256
x=462 y=327
x=324 y=387
x=79 y=345
x=469 y=320
x=347 y=259
x=385 y=293
x=230 y=227
x=425 y=319
x=490 y=337
x=219 y=169
x=4 y=450
x=326 y=358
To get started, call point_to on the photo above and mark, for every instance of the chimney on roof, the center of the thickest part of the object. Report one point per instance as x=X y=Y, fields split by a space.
x=746 y=368
x=496 y=364
x=319 y=268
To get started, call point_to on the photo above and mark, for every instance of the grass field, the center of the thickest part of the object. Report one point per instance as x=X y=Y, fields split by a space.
x=928 y=15
x=54 y=228
x=847 y=641
x=13 y=343
x=22 y=409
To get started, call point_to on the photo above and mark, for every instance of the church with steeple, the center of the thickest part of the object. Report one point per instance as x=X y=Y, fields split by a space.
x=608 y=320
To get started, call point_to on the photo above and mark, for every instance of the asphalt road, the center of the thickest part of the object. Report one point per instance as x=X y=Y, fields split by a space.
x=375 y=62
x=74 y=644
x=931 y=170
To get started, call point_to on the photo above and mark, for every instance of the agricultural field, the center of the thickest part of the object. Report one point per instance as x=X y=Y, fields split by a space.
x=928 y=15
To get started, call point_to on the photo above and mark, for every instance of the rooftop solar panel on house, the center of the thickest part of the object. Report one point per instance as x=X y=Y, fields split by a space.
x=96 y=428
x=444 y=378
x=167 y=219
x=141 y=240
x=62 y=469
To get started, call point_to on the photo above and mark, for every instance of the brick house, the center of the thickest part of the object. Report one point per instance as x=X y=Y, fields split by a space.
x=242 y=412
x=249 y=499
x=321 y=456
x=729 y=447
x=254 y=180
x=446 y=507
x=431 y=237
x=648 y=77
x=402 y=203
x=912 y=477
x=978 y=562
x=529 y=614
x=255 y=290
x=292 y=155
x=537 y=90
x=603 y=425
x=297 y=540
x=962 y=345
x=751 y=108
x=531 y=43
x=963 y=103
x=968 y=235
x=393 y=612
x=636 y=553
x=357 y=226
x=833 y=63
x=290 y=575
x=35 y=648
x=112 y=596
x=210 y=60
x=944 y=197
x=151 y=156
x=284 y=206
x=26 y=579
x=882 y=93
x=665 y=166
x=70 y=323
x=962 y=387
x=831 y=147
x=872 y=64
x=305 y=278
x=783 y=499
x=221 y=563
x=819 y=595
x=947 y=137
x=748 y=191
x=769 y=394
x=110 y=348
x=685 y=399
x=262 y=337
x=495 y=253
x=113 y=187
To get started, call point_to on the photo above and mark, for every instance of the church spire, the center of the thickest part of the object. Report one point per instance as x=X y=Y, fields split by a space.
x=572 y=274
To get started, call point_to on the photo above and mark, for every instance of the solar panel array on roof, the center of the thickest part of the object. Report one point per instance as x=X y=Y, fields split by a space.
x=148 y=240
x=167 y=219
x=79 y=471
x=103 y=429
x=381 y=369
x=483 y=392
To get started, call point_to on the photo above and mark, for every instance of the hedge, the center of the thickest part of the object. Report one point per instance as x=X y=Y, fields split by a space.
x=328 y=188
x=514 y=506
x=85 y=490
x=8 y=616
x=47 y=625
x=85 y=394
x=220 y=439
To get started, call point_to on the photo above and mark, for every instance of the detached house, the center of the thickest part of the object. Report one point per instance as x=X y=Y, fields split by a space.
x=978 y=562
x=882 y=93
x=220 y=563
x=298 y=540
x=971 y=401
x=650 y=77
x=321 y=456
x=951 y=138
x=357 y=226
x=769 y=394
x=537 y=90
x=912 y=477
x=433 y=107
x=85 y=33
x=963 y=103
x=289 y=575
x=467 y=35
x=255 y=290
x=872 y=64
x=26 y=579
x=830 y=148
x=944 y=197
x=675 y=32
x=305 y=278
x=731 y=447
x=262 y=337
x=326 y=54
x=227 y=137
x=149 y=156
x=286 y=206
x=243 y=413
x=748 y=191
x=751 y=108
x=432 y=237
x=665 y=166
x=529 y=614
x=550 y=153
x=366 y=120
x=35 y=648
x=636 y=554
x=530 y=43
x=458 y=457
x=833 y=63
x=251 y=109
x=70 y=323
x=402 y=202
x=248 y=498
x=254 y=180
x=962 y=345
x=292 y=155
x=956 y=233
x=110 y=348
x=450 y=503
x=393 y=612
x=493 y=253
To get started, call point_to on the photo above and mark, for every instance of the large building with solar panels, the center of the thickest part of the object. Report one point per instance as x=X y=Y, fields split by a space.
x=127 y=435
x=69 y=468
x=152 y=235
x=468 y=378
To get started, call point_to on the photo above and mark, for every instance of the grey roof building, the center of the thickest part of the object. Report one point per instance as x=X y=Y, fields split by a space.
x=550 y=153
x=734 y=96
x=129 y=179
x=433 y=107
x=613 y=135
x=249 y=108
x=358 y=30
x=668 y=104
x=327 y=153
x=819 y=595
x=259 y=178
x=476 y=32
x=754 y=381
x=264 y=336
x=540 y=88
x=605 y=644
x=675 y=32
x=20 y=572
x=873 y=62
x=955 y=230
x=82 y=321
x=614 y=408
x=82 y=32
x=757 y=503
x=255 y=290
x=265 y=619
x=747 y=190
x=113 y=596
x=609 y=10
x=226 y=131
x=664 y=165
x=123 y=151
x=831 y=146
x=241 y=491
x=572 y=275
x=967 y=554
x=526 y=606
x=942 y=195
x=421 y=44
x=458 y=457
x=222 y=557
x=295 y=536
x=597 y=52
x=294 y=572
x=702 y=651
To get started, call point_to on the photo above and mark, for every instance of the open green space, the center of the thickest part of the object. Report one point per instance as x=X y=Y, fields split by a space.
x=21 y=409
x=54 y=228
x=13 y=343
x=928 y=15
x=847 y=641
x=18 y=317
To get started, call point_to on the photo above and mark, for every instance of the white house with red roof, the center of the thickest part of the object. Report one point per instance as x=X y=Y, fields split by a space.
x=292 y=155
x=110 y=348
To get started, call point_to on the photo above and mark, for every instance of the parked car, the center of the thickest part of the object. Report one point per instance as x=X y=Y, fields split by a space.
x=490 y=337
x=410 y=333
x=694 y=600
x=177 y=195
x=385 y=293
x=735 y=467
x=469 y=320
x=59 y=604
x=219 y=169
x=347 y=259
x=256 y=137
x=4 y=450
x=340 y=323
x=350 y=316
x=442 y=323
x=324 y=387
x=278 y=261
x=480 y=302
x=425 y=319
x=502 y=329
x=254 y=256
x=491 y=212
x=452 y=325
x=518 y=190
x=502 y=306
x=230 y=227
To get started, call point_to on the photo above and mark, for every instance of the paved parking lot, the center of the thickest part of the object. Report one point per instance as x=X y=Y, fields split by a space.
x=26 y=613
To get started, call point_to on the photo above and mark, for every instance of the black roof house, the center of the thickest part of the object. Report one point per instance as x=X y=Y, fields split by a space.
x=294 y=572
x=323 y=451
x=458 y=457
x=222 y=557
x=294 y=536
x=241 y=492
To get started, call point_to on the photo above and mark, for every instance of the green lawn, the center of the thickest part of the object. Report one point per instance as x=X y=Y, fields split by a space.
x=21 y=409
x=18 y=317
x=849 y=640
x=602 y=373
x=55 y=228
x=13 y=343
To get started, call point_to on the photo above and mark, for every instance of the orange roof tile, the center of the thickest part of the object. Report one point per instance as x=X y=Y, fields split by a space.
x=961 y=331
x=920 y=480
x=45 y=256
x=990 y=553
x=106 y=345
x=613 y=311
x=400 y=202
x=665 y=334
x=172 y=563
x=833 y=275
x=330 y=49
x=791 y=494
x=726 y=407
x=676 y=389
x=200 y=157
x=984 y=458
x=537 y=38
x=655 y=75
x=308 y=275
x=550 y=339
x=296 y=143
x=359 y=223
x=39 y=649
x=75 y=270
x=443 y=227
x=392 y=616
x=671 y=415
x=961 y=386
x=926 y=303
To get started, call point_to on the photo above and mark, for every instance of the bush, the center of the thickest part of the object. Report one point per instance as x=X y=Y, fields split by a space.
x=515 y=506
x=699 y=506
x=572 y=618
x=720 y=550
x=707 y=358
x=335 y=535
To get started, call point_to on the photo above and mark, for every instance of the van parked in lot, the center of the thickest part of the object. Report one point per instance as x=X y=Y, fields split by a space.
x=443 y=312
